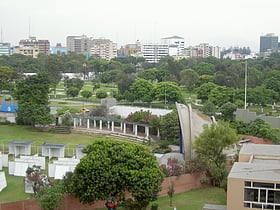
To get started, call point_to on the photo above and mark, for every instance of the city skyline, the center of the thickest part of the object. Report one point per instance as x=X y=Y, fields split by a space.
x=218 y=22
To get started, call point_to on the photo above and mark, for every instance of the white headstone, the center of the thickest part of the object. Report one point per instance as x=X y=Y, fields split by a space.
x=3 y=182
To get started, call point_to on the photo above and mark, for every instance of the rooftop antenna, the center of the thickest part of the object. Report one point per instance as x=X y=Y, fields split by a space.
x=29 y=34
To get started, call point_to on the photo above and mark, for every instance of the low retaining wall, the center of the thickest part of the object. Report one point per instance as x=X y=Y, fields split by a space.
x=182 y=183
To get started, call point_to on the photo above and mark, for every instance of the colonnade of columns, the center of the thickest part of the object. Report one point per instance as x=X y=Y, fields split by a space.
x=111 y=125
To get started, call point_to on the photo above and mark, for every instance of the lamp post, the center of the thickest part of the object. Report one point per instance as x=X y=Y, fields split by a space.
x=245 y=88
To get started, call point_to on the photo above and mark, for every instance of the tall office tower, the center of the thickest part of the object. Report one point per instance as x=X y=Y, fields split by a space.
x=268 y=43
x=42 y=45
x=78 y=44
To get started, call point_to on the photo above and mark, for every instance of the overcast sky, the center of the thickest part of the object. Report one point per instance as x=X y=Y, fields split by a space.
x=218 y=22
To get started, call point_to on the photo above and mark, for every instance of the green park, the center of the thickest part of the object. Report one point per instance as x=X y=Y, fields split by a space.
x=213 y=87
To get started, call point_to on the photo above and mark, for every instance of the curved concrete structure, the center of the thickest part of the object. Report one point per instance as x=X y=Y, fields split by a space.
x=191 y=125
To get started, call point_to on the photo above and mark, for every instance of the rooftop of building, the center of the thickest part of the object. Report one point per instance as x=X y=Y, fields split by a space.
x=173 y=37
x=255 y=171
x=264 y=164
x=260 y=149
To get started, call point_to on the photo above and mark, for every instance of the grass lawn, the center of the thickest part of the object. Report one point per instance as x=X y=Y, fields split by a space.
x=194 y=199
x=191 y=200
x=25 y=133
x=14 y=190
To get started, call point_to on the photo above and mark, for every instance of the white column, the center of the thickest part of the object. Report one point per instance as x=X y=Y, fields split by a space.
x=147 y=129
x=108 y=122
x=94 y=123
x=113 y=126
x=135 y=128
x=124 y=128
x=158 y=132
x=121 y=126
x=87 y=123
x=75 y=122
x=100 y=124
x=80 y=121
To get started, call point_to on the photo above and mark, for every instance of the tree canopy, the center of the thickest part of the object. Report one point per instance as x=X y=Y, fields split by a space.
x=32 y=96
x=209 y=146
x=111 y=168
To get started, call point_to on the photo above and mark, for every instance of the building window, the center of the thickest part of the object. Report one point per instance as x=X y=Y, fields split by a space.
x=261 y=195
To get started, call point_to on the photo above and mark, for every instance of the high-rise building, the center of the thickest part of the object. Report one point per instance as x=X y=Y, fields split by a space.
x=175 y=44
x=268 y=43
x=78 y=44
x=5 y=48
x=103 y=49
x=154 y=52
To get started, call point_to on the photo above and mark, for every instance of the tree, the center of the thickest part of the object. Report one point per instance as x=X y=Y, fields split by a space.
x=204 y=90
x=124 y=81
x=204 y=68
x=86 y=94
x=171 y=192
x=228 y=110
x=72 y=91
x=208 y=108
x=141 y=90
x=50 y=197
x=6 y=74
x=74 y=82
x=189 y=78
x=221 y=95
x=169 y=126
x=209 y=146
x=32 y=96
x=53 y=66
x=168 y=92
x=148 y=74
x=101 y=93
x=112 y=168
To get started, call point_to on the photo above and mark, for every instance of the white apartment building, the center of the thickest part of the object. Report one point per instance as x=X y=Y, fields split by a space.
x=31 y=51
x=103 y=49
x=175 y=44
x=154 y=52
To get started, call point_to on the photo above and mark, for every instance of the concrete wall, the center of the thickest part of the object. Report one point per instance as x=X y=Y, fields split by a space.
x=247 y=116
x=235 y=194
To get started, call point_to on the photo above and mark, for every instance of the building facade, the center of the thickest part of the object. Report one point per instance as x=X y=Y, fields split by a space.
x=58 y=49
x=175 y=44
x=154 y=52
x=43 y=46
x=254 y=181
x=130 y=50
x=103 y=49
x=5 y=48
x=27 y=51
x=268 y=43
x=78 y=44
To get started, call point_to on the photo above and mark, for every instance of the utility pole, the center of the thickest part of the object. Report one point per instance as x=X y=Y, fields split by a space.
x=245 y=98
